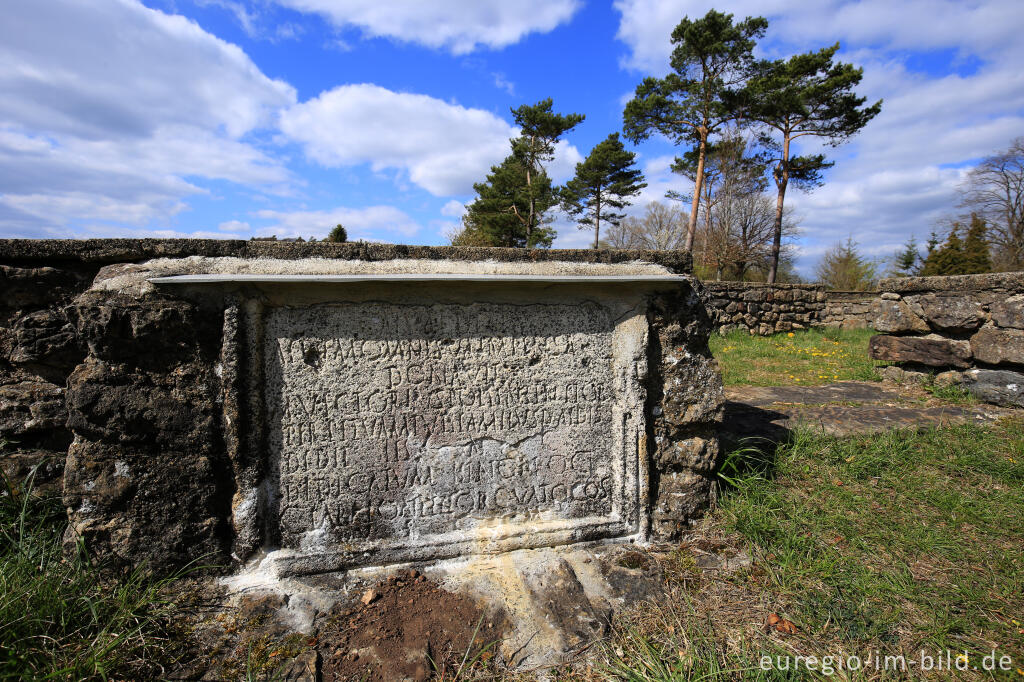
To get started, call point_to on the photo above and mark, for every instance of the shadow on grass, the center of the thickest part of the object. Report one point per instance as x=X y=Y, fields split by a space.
x=751 y=437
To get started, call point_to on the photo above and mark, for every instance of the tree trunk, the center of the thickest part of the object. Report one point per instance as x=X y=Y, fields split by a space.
x=597 y=221
x=529 y=218
x=691 y=226
x=706 y=244
x=782 y=180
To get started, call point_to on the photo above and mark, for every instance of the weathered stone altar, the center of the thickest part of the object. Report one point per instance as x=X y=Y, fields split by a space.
x=410 y=417
x=325 y=406
x=408 y=428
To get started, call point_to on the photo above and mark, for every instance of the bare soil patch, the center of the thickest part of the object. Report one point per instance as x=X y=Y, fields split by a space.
x=406 y=627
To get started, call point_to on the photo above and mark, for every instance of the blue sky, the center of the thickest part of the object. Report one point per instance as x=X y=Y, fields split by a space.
x=224 y=118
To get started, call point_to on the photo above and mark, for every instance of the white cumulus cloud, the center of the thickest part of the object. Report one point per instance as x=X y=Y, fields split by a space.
x=460 y=26
x=108 y=106
x=443 y=147
x=453 y=209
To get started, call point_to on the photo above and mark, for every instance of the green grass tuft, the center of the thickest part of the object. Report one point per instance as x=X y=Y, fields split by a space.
x=954 y=394
x=896 y=539
x=59 y=620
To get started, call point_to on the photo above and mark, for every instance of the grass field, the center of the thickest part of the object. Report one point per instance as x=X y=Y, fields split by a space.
x=899 y=544
x=804 y=358
x=59 y=620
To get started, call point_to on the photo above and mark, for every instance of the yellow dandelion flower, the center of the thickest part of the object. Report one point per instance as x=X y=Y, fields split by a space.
x=790 y=334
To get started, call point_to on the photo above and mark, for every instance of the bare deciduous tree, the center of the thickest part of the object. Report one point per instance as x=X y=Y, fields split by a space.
x=736 y=229
x=662 y=227
x=994 y=190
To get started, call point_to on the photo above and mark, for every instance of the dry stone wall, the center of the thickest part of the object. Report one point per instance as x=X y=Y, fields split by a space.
x=768 y=309
x=341 y=425
x=848 y=309
x=969 y=329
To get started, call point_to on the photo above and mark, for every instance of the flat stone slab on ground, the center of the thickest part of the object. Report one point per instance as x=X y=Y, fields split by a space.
x=840 y=409
x=844 y=391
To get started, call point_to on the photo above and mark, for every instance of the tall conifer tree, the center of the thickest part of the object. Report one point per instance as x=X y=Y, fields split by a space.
x=805 y=95
x=976 y=251
x=510 y=193
x=541 y=129
x=603 y=183
x=511 y=203
x=949 y=259
x=709 y=63
x=908 y=260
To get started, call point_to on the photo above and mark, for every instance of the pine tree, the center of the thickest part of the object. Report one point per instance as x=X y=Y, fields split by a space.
x=511 y=203
x=337 y=234
x=908 y=260
x=709 y=62
x=976 y=251
x=805 y=95
x=949 y=259
x=540 y=129
x=933 y=242
x=510 y=192
x=601 y=186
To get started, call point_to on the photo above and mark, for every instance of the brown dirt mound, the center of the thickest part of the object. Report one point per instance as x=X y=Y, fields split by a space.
x=406 y=628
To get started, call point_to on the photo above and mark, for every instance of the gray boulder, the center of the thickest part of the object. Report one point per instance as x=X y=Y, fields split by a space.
x=1009 y=313
x=931 y=351
x=998 y=346
x=894 y=317
x=1000 y=387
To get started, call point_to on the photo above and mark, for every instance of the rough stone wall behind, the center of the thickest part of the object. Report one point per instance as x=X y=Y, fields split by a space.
x=39 y=349
x=849 y=309
x=768 y=309
x=970 y=328
x=76 y=252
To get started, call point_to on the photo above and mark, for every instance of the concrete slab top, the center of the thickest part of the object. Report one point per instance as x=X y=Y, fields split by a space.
x=426 y=277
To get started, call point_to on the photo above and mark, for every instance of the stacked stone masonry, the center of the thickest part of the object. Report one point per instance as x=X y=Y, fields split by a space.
x=769 y=309
x=968 y=329
x=226 y=421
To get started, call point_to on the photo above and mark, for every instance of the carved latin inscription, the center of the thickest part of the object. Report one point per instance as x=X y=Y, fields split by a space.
x=403 y=421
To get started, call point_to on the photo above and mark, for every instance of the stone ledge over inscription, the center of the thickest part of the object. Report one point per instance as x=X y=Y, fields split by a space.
x=142 y=278
x=417 y=277
x=403 y=429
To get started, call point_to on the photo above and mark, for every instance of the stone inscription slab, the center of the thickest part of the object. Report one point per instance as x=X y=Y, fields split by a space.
x=400 y=422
